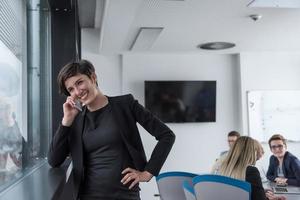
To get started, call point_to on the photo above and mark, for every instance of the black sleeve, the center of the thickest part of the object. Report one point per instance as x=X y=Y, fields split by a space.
x=295 y=165
x=271 y=170
x=159 y=130
x=59 y=147
x=253 y=177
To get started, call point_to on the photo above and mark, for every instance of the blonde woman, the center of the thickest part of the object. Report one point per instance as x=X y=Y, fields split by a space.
x=239 y=164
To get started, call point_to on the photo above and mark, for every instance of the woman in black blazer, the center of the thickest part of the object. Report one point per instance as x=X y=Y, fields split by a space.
x=239 y=164
x=103 y=140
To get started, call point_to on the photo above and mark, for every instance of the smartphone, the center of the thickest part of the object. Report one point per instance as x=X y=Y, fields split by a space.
x=78 y=105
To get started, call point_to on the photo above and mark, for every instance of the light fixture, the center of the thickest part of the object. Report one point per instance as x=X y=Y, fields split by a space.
x=255 y=17
x=145 y=38
x=216 y=45
x=274 y=4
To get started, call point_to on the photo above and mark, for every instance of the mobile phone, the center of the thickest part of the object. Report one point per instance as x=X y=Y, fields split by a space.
x=78 y=105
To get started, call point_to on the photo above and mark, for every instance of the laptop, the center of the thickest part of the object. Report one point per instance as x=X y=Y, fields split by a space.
x=286 y=190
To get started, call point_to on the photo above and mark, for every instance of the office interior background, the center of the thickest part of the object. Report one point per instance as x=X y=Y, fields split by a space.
x=133 y=41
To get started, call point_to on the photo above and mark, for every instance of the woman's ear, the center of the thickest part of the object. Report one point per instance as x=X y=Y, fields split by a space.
x=94 y=78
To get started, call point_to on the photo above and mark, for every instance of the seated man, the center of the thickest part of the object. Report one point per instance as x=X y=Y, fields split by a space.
x=231 y=138
x=284 y=167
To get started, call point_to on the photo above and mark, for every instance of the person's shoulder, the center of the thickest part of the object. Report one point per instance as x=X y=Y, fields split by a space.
x=121 y=99
x=290 y=156
x=223 y=153
x=251 y=171
x=251 y=168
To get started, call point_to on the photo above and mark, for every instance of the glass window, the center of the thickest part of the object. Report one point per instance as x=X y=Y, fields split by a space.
x=24 y=75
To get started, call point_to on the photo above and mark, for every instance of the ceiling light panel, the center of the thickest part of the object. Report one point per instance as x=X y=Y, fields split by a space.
x=275 y=3
x=146 y=38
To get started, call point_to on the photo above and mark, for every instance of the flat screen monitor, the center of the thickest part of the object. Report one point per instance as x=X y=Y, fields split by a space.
x=181 y=101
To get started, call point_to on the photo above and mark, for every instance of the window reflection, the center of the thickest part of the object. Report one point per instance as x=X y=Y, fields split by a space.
x=10 y=142
x=21 y=146
x=11 y=139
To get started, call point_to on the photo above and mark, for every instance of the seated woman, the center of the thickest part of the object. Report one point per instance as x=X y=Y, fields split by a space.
x=284 y=167
x=239 y=164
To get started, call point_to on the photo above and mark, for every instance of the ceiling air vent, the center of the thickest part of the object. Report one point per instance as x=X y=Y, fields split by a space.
x=216 y=45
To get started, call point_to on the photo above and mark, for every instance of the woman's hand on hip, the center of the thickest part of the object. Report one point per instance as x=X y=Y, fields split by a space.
x=134 y=176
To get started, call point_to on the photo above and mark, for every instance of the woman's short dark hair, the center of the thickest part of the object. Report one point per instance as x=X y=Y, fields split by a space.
x=72 y=69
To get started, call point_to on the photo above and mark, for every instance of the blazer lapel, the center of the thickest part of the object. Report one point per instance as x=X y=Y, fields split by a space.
x=79 y=131
x=77 y=150
x=119 y=121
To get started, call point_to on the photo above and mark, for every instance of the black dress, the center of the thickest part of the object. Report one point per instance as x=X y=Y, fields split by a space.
x=105 y=157
x=257 y=190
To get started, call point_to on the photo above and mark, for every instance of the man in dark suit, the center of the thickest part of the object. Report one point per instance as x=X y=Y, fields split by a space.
x=103 y=139
x=284 y=167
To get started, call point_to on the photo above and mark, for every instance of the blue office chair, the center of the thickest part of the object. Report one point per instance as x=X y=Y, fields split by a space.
x=208 y=187
x=170 y=184
x=188 y=191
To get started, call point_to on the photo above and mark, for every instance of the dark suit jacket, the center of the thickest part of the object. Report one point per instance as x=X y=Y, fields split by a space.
x=127 y=112
x=290 y=168
x=253 y=177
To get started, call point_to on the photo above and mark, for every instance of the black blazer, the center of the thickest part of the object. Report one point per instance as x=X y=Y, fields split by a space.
x=290 y=168
x=127 y=112
x=253 y=177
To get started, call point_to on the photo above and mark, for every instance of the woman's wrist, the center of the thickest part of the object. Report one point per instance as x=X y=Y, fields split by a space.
x=147 y=176
x=66 y=122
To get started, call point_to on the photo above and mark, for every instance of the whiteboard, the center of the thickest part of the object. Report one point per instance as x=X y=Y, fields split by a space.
x=274 y=112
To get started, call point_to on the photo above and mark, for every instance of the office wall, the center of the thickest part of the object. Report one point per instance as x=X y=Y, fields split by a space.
x=193 y=147
x=108 y=67
x=269 y=71
x=108 y=70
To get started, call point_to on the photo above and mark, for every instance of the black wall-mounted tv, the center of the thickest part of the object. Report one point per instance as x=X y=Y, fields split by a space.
x=182 y=101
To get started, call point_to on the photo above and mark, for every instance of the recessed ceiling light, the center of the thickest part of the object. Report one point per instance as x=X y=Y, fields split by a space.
x=216 y=45
x=255 y=17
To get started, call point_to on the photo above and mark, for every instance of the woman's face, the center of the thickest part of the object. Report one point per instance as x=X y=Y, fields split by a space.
x=278 y=148
x=82 y=88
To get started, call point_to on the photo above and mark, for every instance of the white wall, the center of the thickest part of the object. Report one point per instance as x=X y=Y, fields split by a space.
x=108 y=67
x=197 y=144
x=269 y=71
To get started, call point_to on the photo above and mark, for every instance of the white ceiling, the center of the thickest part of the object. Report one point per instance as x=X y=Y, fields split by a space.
x=188 y=23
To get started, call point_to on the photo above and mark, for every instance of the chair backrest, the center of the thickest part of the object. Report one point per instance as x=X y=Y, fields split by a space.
x=170 y=184
x=208 y=187
x=188 y=191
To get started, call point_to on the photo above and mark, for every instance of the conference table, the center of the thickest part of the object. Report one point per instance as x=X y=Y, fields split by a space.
x=289 y=196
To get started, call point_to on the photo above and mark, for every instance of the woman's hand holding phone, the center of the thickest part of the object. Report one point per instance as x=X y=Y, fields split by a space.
x=70 y=111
